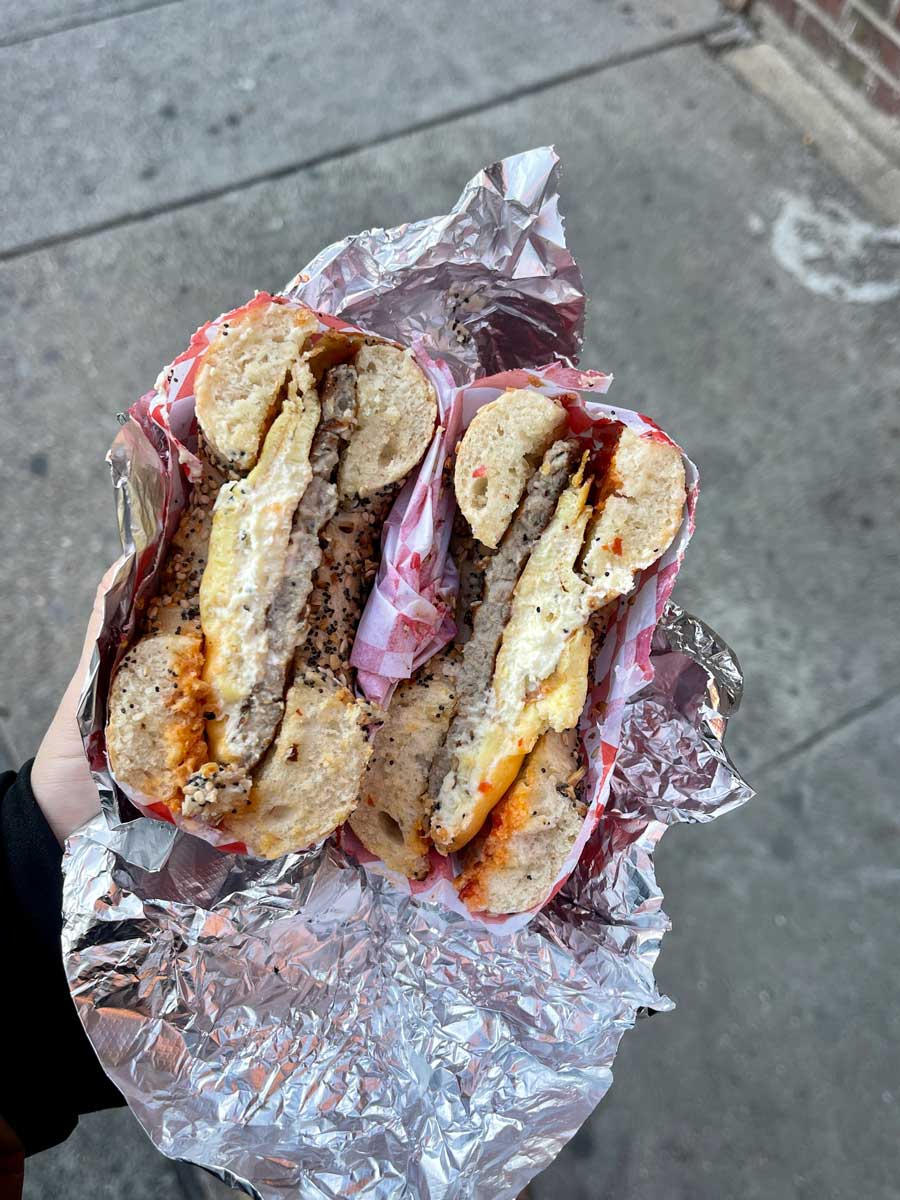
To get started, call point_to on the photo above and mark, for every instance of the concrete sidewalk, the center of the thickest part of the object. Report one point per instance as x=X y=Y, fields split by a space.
x=164 y=183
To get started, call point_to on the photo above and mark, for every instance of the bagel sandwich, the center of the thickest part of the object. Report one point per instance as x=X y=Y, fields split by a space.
x=236 y=704
x=557 y=543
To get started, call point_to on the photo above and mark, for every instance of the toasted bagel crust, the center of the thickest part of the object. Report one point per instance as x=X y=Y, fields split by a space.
x=397 y=413
x=155 y=732
x=515 y=861
x=391 y=819
x=308 y=782
x=240 y=379
x=498 y=455
x=638 y=514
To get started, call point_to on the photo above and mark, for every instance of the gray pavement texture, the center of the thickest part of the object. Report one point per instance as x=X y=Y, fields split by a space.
x=303 y=90
x=778 y=1075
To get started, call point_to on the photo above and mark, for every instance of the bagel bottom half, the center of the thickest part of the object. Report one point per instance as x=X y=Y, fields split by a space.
x=308 y=781
x=515 y=860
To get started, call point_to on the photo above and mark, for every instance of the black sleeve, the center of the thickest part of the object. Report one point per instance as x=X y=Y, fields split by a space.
x=49 y=1073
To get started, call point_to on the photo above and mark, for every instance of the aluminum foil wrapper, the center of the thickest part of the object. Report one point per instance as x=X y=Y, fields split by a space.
x=304 y=1027
x=301 y=1028
x=488 y=287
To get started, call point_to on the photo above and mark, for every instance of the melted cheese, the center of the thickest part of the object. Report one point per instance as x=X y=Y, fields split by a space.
x=550 y=603
x=489 y=766
x=248 y=544
x=540 y=677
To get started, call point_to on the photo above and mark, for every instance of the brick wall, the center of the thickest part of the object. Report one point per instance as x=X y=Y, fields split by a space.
x=859 y=37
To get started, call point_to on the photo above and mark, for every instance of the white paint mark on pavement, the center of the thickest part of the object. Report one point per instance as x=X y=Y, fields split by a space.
x=834 y=253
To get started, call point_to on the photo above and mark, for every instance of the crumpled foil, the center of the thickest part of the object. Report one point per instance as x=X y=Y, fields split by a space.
x=302 y=1027
x=488 y=287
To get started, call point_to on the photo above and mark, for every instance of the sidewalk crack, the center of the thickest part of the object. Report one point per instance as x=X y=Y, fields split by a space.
x=64 y=26
x=826 y=731
x=347 y=150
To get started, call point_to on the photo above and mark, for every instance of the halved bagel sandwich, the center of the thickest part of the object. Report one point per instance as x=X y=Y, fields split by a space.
x=559 y=544
x=236 y=705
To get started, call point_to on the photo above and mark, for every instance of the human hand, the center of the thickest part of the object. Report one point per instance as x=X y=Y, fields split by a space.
x=60 y=778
